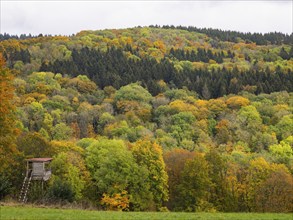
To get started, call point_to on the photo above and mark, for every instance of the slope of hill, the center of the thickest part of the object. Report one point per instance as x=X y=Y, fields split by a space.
x=149 y=118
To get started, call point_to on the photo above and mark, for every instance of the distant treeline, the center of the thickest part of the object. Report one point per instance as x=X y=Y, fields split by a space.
x=7 y=36
x=277 y=38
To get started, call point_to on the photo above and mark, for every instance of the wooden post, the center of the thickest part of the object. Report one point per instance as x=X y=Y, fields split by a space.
x=27 y=168
x=42 y=189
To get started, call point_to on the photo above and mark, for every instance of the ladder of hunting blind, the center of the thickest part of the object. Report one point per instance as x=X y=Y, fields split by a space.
x=25 y=187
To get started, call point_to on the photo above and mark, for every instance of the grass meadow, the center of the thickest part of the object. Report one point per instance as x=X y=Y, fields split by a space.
x=30 y=213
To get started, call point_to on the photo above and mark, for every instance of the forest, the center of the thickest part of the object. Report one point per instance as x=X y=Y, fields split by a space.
x=150 y=118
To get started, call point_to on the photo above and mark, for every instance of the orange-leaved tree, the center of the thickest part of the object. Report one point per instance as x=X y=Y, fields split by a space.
x=8 y=131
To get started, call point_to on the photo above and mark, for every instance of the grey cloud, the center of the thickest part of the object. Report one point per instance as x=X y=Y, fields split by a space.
x=67 y=17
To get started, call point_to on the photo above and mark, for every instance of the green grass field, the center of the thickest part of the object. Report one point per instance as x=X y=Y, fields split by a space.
x=19 y=212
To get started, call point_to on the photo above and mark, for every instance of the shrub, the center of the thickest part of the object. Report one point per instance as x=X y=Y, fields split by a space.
x=60 y=191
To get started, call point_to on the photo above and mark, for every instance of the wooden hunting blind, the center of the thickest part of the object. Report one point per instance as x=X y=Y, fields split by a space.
x=39 y=168
x=36 y=169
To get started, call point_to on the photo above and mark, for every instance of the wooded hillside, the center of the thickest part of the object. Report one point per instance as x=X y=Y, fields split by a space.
x=151 y=118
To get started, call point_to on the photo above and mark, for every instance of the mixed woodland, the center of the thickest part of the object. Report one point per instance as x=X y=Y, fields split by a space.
x=150 y=118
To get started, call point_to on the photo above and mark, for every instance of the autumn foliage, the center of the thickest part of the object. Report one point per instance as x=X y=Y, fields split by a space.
x=8 y=131
x=150 y=119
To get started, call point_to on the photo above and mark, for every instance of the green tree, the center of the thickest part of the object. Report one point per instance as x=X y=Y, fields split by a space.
x=133 y=92
x=195 y=185
x=61 y=132
x=114 y=170
x=250 y=128
x=181 y=128
x=48 y=124
x=69 y=167
x=283 y=152
x=134 y=98
x=221 y=195
x=42 y=82
x=149 y=154
x=285 y=127
x=34 y=145
x=284 y=54
x=36 y=112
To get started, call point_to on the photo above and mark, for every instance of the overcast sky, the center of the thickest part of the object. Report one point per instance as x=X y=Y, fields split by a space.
x=68 y=17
